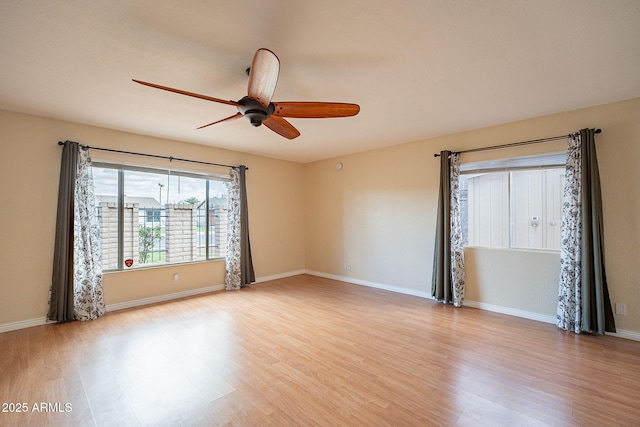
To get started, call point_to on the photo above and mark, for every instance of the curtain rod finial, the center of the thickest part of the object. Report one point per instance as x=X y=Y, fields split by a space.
x=598 y=130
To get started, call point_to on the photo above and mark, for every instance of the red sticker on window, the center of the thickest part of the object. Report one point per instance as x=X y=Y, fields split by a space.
x=128 y=262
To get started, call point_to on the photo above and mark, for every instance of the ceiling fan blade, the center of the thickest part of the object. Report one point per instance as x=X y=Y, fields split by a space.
x=282 y=127
x=315 y=110
x=184 y=92
x=263 y=76
x=235 y=116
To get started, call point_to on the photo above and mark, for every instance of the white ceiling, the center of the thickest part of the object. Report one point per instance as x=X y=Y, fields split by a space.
x=418 y=69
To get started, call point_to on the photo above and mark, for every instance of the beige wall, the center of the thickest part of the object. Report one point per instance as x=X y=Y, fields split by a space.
x=29 y=172
x=519 y=280
x=378 y=213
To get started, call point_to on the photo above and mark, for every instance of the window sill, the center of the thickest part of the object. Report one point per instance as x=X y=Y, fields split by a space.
x=498 y=248
x=156 y=266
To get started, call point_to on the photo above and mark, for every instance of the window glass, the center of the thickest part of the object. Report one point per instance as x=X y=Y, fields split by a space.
x=517 y=208
x=487 y=199
x=163 y=216
x=218 y=208
x=536 y=208
x=106 y=192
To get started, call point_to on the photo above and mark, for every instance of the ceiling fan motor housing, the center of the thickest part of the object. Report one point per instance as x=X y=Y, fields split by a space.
x=254 y=110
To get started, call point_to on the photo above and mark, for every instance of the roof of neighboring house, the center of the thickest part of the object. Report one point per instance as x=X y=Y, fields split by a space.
x=143 y=202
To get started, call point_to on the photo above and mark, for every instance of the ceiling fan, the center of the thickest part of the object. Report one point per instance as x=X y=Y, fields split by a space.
x=257 y=105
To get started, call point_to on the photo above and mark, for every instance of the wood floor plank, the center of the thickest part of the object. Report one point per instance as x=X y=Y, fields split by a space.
x=306 y=350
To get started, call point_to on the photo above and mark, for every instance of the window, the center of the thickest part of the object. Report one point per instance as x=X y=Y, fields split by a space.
x=153 y=215
x=150 y=217
x=513 y=203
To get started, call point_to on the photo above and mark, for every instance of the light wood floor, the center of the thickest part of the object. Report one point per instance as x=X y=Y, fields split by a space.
x=312 y=351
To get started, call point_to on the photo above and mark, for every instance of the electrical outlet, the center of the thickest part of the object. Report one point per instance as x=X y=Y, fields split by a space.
x=176 y=279
x=621 y=309
x=346 y=266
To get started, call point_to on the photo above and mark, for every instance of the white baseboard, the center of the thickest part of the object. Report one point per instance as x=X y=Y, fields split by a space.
x=631 y=335
x=279 y=276
x=511 y=311
x=621 y=333
x=479 y=305
x=6 y=327
x=118 y=306
x=162 y=298
x=22 y=324
x=192 y=292
x=397 y=289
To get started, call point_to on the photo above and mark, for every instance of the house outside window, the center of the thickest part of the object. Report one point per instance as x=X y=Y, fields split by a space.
x=152 y=214
x=152 y=217
x=513 y=203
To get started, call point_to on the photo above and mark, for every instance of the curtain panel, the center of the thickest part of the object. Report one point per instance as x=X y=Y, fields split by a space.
x=61 y=291
x=239 y=263
x=583 y=295
x=76 y=286
x=448 y=281
x=87 y=261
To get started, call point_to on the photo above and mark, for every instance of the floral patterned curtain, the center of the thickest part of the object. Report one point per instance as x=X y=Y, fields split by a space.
x=239 y=264
x=457 y=254
x=76 y=286
x=570 y=288
x=87 y=261
x=583 y=295
x=448 y=281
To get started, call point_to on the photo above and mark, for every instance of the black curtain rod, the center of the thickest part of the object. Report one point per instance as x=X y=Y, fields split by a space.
x=170 y=158
x=515 y=144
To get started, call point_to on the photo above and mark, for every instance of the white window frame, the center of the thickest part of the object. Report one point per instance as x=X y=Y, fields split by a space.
x=121 y=168
x=555 y=160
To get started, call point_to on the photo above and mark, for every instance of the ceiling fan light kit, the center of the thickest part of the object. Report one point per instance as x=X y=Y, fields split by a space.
x=257 y=106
